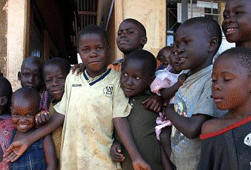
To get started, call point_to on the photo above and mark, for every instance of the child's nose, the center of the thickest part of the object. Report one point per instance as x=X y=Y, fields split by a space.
x=129 y=81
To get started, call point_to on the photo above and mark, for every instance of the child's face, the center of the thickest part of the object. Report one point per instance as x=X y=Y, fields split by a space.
x=237 y=21
x=23 y=114
x=129 y=38
x=94 y=53
x=134 y=79
x=231 y=84
x=54 y=79
x=174 y=62
x=191 y=45
x=163 y=57
x=31 y=76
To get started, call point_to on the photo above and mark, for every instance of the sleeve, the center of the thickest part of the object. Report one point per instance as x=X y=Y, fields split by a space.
x=206 y=105
x=205 y=102
x=62 y=106
x=121 y=106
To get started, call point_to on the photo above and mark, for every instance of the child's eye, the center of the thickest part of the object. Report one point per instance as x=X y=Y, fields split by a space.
x=239 y=12
x=48 y=80
x=227 y=79
x=99 y=48
x=85 y=50
x=137 y=78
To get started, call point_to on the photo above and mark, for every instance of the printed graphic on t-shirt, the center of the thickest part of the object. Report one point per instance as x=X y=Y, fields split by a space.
x=180 y=106
x=247 y=140
x=108 y=90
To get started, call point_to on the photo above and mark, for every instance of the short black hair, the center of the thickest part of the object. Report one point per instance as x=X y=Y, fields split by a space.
x=5 y=90
x=93 y=29
x=212 y=28
x=34 y=60
x=241 y=54
x=63 y=64
x=26 y=93
x=146 y=58
x=138 y=25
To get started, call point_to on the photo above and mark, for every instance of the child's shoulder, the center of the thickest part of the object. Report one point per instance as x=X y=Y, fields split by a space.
x=212 y=125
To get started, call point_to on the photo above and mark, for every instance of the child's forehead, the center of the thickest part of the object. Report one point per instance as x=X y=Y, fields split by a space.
x=28 y=65
x=237 y=3
x=92 y=38
x=54 y=69
x=128 y=25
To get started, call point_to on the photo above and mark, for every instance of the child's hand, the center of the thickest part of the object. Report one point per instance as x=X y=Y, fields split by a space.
x=42 y=118
x=153 y=103
x=79 y=67
x=181 y=79
x=140 y=164
x=116 y=152
x=15 y=150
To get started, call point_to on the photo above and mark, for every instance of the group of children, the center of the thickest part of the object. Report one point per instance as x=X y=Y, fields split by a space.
x=188 y=114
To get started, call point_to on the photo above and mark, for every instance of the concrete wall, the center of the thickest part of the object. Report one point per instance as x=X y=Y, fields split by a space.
x=152 y=14
x=3 y=35
x=16 y=38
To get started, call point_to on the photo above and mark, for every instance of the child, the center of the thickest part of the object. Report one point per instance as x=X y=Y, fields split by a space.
x=137 y=73
x=41 y=154
x=196 y=42
x=166 y=84
x=163 y=56
x=54 y=72
x=31 y=76
x=91 y=104
x=6 y=126
x=131 y=36
x=236 y=24
x=226 y=141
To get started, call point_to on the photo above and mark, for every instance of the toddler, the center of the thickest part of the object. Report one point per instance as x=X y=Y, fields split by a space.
x=41 y=154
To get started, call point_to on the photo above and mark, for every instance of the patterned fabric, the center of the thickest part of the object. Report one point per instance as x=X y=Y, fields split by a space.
x=89 y=106
x=32 y=159
x=44 y=101
x=6 y=128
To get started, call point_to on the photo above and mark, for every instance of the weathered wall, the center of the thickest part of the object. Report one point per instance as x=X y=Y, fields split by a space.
x=152 y=14
x=16 y=36
x=3 y=35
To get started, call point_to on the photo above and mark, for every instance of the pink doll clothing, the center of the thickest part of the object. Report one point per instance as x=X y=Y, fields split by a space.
x=164 y=79
x=6 y=128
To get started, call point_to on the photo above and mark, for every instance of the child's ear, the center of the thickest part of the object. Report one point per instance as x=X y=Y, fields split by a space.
x=213 y=44
x=143 y=40
x=3 y=101
x=19 y=76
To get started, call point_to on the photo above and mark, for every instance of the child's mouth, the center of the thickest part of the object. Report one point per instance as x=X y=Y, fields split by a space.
x=230 y=31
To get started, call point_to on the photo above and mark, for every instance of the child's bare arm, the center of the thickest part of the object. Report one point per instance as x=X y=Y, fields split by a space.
x=153 y=103
x=189 y=126
x=17 y=148
x=168 y=93
x=49 y=153
x=123 y=129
